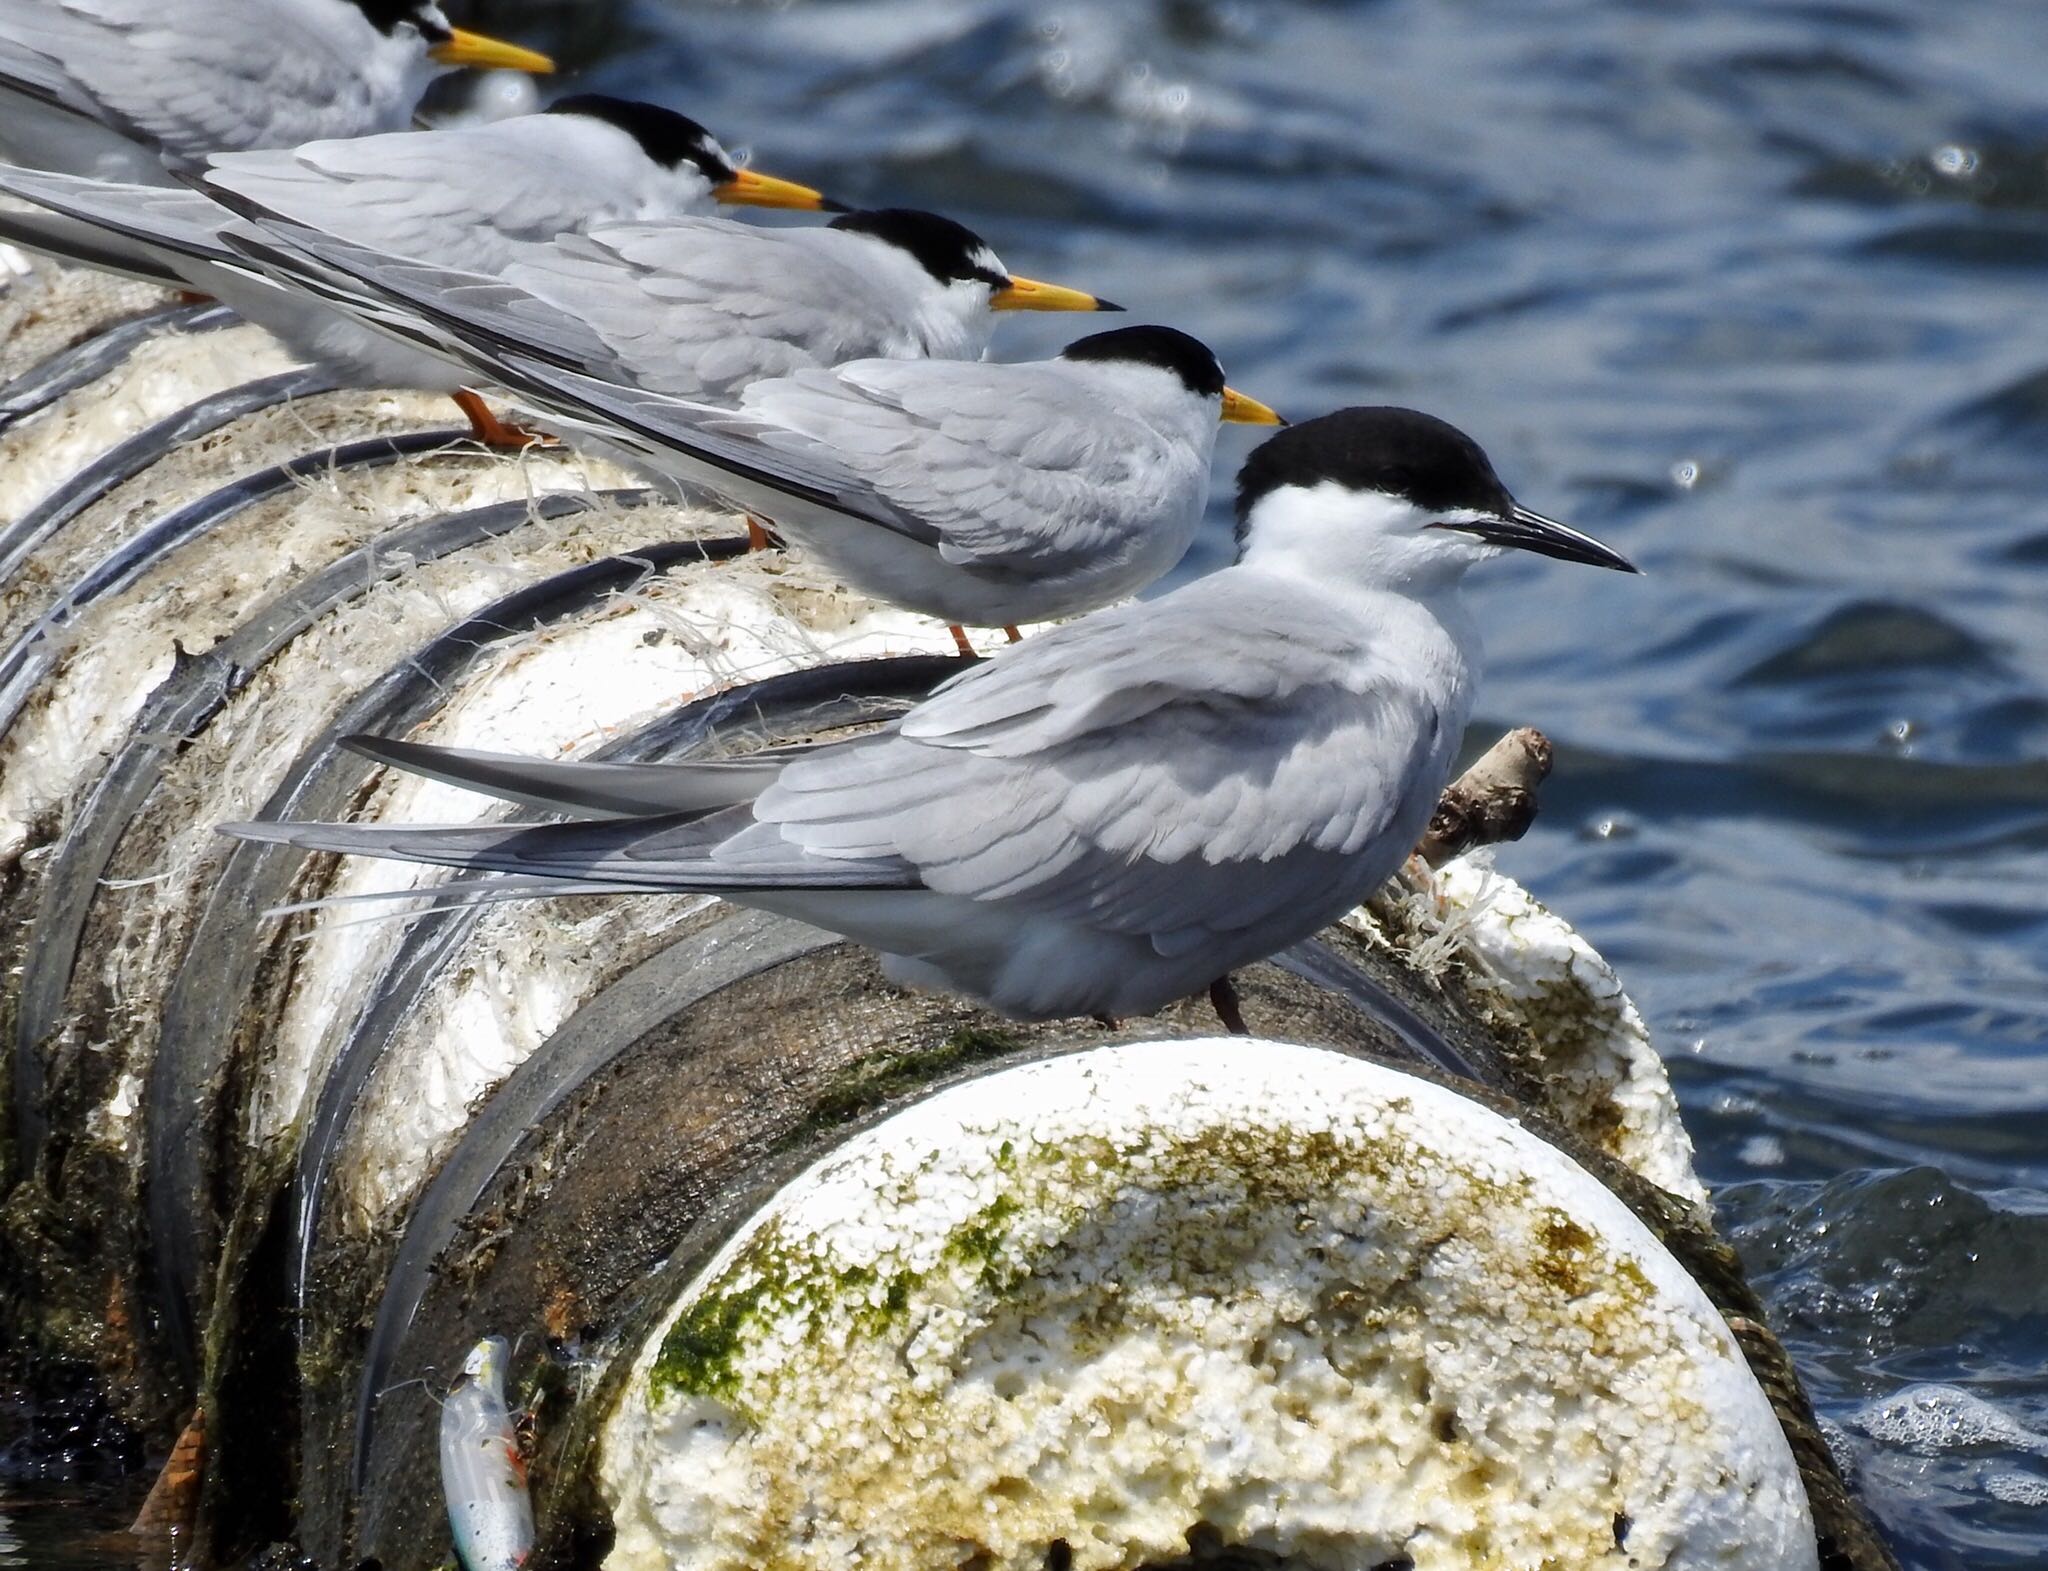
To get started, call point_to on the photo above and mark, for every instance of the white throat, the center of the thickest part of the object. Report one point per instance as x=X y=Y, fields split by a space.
x=1370 y=540
x=1155 y=396
x=950 y=321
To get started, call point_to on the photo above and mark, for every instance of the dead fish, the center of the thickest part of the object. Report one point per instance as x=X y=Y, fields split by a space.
x=483 y=1474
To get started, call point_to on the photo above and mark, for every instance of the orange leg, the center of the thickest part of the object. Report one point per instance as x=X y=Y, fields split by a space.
x=1015 y=636
x=758 y=539
x=193 y=297
x=489 y=430
x=960 y=639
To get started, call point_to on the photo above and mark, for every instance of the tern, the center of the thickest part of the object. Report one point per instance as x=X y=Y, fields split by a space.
x=480 y=196
x=973 y=492
x=120 y=89
x=1117 y=813
x=694 y=308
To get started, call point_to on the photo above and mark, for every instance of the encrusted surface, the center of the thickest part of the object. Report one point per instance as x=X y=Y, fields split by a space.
x=558 y=693
x=163 y=376
x=1519 y=967
x=1251 y=1290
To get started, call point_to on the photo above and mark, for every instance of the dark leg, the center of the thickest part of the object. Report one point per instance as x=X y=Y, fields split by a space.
x=1223 y=999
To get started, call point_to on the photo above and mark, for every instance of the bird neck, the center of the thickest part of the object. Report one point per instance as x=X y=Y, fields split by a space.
x=1339 y=537
x=1415 y=597
x=944 y=321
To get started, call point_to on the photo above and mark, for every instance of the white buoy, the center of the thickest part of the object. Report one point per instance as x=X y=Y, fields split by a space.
x=1263 y=1294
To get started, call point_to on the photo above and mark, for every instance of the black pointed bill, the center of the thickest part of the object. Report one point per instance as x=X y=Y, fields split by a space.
x=1523 y=529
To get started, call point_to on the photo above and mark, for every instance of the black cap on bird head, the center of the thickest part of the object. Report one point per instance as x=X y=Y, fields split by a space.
x=954 y=254
x=1424 y=461
x=667 y=138
x=426 y=15
x=1187 y=357
x=949 y=251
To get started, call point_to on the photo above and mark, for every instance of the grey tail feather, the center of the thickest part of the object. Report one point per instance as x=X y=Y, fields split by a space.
x=457 y=893
x=607 y=790
x=556 y=852
x=71 y=240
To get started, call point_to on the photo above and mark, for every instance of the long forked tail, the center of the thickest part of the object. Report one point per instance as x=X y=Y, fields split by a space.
x=722 y=853
x=602 y=790
x=597 y=852
x=639 y=826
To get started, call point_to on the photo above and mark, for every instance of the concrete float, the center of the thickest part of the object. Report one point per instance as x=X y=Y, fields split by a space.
x=804 y=1270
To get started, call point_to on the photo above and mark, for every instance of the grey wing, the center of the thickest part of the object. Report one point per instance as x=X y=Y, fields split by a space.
x=446 y=309
x=168 y=217
x=746 y=461
x=538 y=351
x=701 y=307
x=180 y=75
x=451 y=196
x=1155 y=770
x=1146 y=771
x=31 y=31
x=1021 y=468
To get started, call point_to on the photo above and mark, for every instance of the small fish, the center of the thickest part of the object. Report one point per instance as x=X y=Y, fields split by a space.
x=482 y=1471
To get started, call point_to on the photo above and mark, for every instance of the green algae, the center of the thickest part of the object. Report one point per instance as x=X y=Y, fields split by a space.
x=881 y=1077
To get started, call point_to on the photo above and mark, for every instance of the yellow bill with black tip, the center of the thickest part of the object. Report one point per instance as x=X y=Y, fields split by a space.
x=1027 y=294
x=1240 y=410
x=750 y=188
x=489 y=54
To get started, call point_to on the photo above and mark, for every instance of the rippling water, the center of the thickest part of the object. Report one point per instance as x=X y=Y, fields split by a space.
x=1754 y=290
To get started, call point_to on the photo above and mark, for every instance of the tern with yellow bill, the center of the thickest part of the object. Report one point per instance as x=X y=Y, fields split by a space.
x=973 y=492
x=481 y=196
x=695 y=308
x=124 y=89
x=977 y=493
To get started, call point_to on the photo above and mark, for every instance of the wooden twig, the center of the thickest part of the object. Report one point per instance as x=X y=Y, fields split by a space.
x=1492 y=801
x=173 y=1501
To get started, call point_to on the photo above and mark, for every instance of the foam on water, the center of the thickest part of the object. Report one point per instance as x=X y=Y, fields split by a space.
x=1932 y=1417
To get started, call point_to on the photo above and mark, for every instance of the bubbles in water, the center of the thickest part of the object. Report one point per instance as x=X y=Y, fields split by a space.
x=2017 y=1489
x=1941 y=1418
x=1953 y=161
x=1840 y=1447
